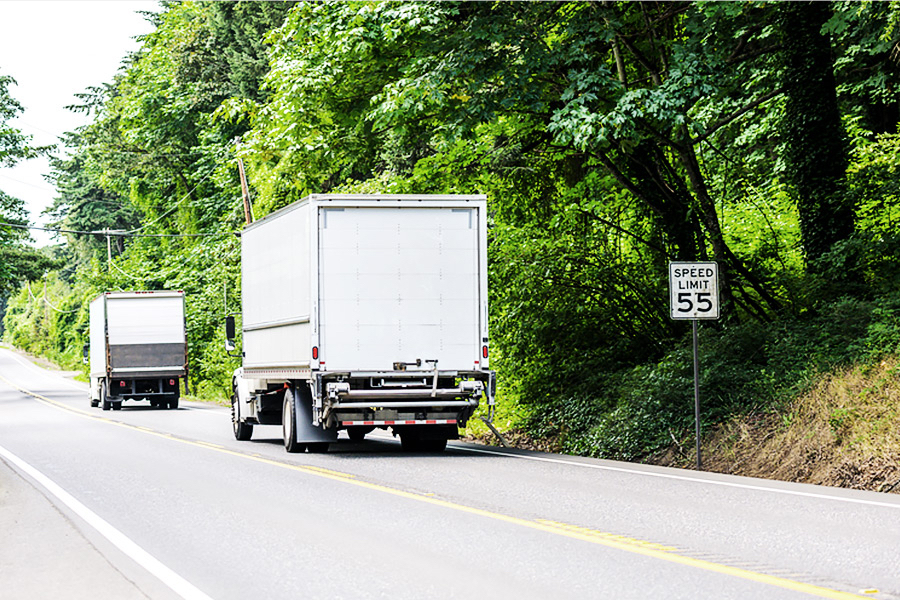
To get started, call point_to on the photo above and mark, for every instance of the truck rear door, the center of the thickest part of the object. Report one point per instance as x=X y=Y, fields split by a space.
x=397 y=284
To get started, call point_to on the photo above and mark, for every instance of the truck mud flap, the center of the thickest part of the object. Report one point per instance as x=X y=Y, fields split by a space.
x=306 y=432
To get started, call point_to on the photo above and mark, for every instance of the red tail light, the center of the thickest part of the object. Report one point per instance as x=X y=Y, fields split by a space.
x=484 y=352
x=315 y=353
x=121 y=384
x=171 y=382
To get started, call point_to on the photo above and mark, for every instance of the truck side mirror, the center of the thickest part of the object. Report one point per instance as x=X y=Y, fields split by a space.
x=85 y=353
x=229 y=334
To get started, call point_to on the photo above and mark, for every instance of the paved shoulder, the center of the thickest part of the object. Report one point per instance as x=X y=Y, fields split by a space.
x=44 y=555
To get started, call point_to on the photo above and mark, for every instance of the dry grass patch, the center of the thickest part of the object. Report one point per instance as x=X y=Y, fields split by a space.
x=844 y=432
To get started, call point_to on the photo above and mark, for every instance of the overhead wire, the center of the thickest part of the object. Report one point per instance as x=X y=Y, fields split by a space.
x=132 y=232
x=180 y=200
x=117 y=233
x=44 y=299
x=37 y=187
x=108 y=233
x=119 y=269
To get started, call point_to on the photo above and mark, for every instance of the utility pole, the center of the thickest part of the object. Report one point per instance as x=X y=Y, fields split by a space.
x=245 y=190
x=109 y=233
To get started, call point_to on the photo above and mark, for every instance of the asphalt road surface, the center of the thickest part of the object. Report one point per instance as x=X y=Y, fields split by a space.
x=147 y=503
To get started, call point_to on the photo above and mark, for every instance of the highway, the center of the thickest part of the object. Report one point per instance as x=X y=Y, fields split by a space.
x=145 y=503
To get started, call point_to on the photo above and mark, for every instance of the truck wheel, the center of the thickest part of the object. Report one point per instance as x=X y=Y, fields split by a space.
x=117 y=405
x=435 y=446
x=317 y=448
x=411 y=442
x=94 y=403
x=358 y=434
x=173 y=399
x=104 y=397
x=242 y=430
x=287 y=424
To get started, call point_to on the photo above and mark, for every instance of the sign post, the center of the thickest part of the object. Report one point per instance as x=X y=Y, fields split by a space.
x=694 y=295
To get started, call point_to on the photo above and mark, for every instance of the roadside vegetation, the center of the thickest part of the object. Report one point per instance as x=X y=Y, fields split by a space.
x=610 y=138
x=844 y=431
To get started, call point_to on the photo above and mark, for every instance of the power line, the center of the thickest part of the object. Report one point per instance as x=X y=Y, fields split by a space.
x=118 y=233
x=116 y=267
x=46 y=301
x=171 y=210
x=46 y=189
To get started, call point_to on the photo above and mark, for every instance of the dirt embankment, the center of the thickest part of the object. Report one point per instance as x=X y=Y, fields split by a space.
x=845 y=432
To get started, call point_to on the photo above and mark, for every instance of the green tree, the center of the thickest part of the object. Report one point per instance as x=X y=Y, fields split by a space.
x=815 y=141
x=18 y=262
x=83 y=204
x=610 y=137
x=14 y=145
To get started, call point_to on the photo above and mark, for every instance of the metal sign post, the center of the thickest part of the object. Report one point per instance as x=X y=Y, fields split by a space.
x=694 y=295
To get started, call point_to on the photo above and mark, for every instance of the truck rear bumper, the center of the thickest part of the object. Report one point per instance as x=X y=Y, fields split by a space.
x=398 y=422
x=147 y=372
x=406 y=404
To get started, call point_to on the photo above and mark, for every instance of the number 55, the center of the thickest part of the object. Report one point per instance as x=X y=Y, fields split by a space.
x=703 y=298
x=685 y=298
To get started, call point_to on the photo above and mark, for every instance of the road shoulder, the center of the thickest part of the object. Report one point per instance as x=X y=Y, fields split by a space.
x=44 y=555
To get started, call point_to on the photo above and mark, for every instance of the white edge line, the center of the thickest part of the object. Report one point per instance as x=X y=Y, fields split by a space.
x=143 y=558
x=744 y=486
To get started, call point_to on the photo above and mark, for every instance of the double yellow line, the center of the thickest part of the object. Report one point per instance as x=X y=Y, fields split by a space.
x=617 y=542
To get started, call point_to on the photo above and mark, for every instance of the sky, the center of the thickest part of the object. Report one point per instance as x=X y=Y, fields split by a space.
x=55 y=49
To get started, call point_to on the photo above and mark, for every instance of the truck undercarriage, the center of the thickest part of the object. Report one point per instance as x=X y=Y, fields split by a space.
x=425 y=409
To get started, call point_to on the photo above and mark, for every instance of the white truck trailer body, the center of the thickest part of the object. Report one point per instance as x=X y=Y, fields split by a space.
x=376 y=303
x=137 y=347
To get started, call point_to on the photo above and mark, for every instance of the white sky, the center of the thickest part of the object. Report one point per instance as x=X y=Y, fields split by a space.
x=55 y=49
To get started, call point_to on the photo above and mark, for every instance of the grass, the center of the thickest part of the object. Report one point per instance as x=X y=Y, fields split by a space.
x=844 y=431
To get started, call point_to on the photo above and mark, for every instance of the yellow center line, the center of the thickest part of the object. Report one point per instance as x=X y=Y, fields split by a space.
x=634 y=546
x=209 y=445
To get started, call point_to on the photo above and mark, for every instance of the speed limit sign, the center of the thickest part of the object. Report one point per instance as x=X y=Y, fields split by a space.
x=694 y=295
x=694 y=290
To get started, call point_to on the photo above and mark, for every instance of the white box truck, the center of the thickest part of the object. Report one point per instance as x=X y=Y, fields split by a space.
x=363 y=312
x=137 y=348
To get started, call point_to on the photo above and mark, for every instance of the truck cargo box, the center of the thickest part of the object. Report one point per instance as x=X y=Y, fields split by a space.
x=365 y=282
x=137 y=347
x=370 y=311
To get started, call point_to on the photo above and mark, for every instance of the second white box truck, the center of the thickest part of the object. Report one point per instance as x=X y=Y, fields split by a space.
x=364 y=312
x=137 y=348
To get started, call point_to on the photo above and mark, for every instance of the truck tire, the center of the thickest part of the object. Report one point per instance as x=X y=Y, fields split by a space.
x=173 y=399
x=288 y=416
x=94 y=403
x=411 y=442
x=358 y=433
x=435 y=446
x=242 y=430
x=105 y=404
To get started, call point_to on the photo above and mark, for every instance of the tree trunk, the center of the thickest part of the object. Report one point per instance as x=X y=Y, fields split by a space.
x=815 y=142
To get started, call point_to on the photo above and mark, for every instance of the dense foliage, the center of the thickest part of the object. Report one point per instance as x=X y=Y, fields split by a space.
x=610 y=138
x=18 y=262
